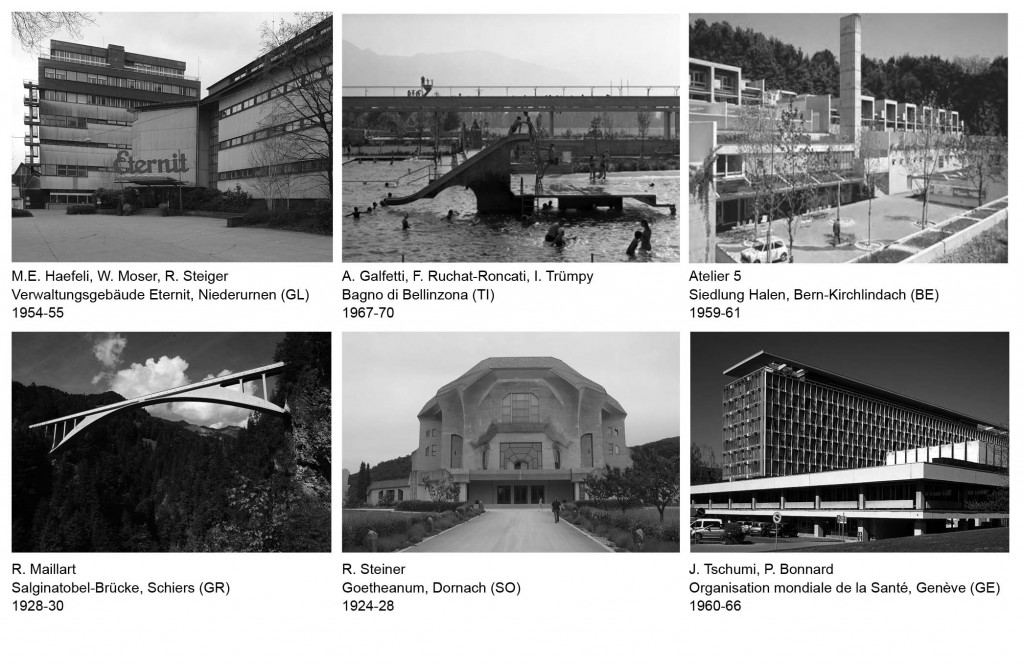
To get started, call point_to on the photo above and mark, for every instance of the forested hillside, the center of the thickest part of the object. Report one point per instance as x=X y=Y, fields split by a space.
x=975 y=87
x=133 y=482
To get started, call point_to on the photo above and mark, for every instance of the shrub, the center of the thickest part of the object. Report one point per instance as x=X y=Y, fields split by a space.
x=15 y=212
x=425 y=506
x=311 y=220
x=733 y=533
x=81 y=209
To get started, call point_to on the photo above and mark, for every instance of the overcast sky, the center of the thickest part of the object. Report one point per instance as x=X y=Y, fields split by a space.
x=139 y=363
x=883 y=35
x=643 y=49
x=389 y=377
x=965 y=372
x=211 y=44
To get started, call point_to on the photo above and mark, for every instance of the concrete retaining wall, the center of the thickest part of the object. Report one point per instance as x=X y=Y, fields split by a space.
x=957 y=240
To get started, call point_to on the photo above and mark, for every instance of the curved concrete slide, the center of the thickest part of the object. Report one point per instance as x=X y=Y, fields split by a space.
x=486 y=173
x=510 y=530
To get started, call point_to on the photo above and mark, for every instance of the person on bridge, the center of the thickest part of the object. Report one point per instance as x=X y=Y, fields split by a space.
x=514 y=129
x=529 y=123
x=593 y=172
x=605 y=159
x=556 y=508
x=552 y=155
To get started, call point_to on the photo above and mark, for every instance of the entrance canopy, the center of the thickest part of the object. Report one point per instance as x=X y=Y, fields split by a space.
x=163 y=181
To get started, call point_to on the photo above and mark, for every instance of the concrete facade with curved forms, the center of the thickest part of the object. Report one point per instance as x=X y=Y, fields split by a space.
x=518 y=431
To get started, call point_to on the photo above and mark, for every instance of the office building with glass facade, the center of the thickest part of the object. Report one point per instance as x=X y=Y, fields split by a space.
x=821 y=447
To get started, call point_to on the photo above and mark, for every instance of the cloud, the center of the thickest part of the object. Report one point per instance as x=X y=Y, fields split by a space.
x=166 y=373
x=108 y=350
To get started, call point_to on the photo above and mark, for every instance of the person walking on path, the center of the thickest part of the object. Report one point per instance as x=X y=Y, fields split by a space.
x=556 y=507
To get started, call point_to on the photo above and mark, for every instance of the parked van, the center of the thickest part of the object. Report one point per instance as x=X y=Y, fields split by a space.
x=704 y=523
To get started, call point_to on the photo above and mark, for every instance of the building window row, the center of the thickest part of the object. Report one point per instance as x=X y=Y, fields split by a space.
x=155 y=69
x=48 y=120
x=430 y=433
x=269 y=132
x=71 y=56
x=310 y=166
x=61 y=198
x=277 y=91
x=86 y=144
x=430 y=450
x=95 y=100
x=117 y=82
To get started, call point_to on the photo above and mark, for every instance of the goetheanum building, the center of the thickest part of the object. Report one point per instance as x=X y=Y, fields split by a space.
x=825 y=450
x=518 y=430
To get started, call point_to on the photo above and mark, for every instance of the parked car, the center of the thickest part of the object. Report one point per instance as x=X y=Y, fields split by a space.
x=700 y=523
x=761 y=252
x=709 y=533
x=784 y=529
x=757 y=528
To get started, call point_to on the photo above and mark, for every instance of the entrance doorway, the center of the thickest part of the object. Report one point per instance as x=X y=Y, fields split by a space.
x=520 y=493
x=536 y=494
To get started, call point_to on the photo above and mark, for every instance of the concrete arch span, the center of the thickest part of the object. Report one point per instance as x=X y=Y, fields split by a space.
x=208 y=391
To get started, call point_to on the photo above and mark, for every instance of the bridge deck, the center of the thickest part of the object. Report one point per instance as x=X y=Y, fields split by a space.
x=577 y=189
x=512 y=103
x=224 y=381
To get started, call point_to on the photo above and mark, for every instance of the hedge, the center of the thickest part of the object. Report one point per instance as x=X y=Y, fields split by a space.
x=425 y=506
x=16 y=212
x=81 y=209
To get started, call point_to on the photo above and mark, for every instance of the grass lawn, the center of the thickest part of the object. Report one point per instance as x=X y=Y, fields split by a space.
x=989 y=247
x=972 y=541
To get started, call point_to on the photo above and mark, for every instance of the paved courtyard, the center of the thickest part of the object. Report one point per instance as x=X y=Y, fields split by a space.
x=52 y=235
x=892 y=218
x=526 y=529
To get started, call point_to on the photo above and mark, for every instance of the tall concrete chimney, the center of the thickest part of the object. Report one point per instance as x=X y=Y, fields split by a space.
x=849 y=77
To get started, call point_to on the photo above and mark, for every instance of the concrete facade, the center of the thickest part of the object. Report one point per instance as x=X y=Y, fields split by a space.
x=78 y=114
x=822 y=448
x=518 y=430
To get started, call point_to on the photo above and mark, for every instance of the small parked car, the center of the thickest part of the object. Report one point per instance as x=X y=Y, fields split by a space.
x=709 y=533
x=764 y=252
x=784 y=529
x=757 y=528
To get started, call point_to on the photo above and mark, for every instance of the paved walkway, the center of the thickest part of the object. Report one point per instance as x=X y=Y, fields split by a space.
x=511 y=530
x=892 y=218
x=50 y=236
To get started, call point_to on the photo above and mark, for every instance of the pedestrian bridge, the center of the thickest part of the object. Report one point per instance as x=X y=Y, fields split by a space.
x=213 y=390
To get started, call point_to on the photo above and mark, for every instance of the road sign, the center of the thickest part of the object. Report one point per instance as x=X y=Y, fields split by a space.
x=777 y=517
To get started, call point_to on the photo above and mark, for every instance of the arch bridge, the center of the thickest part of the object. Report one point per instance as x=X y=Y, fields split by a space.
x=212 y=390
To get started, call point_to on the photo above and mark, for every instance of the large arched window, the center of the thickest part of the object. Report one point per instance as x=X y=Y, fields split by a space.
x=520 y=408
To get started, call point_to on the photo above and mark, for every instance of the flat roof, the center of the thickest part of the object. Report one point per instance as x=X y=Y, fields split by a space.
x=763 y=359
x=896 y=473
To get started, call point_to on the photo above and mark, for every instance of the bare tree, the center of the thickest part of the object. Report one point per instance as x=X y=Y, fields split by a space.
x=273 y=177
x=31 y=29
x=299 y=67
x=926 y=152
x=702 y=190
x=643 y=125
x=982 y=152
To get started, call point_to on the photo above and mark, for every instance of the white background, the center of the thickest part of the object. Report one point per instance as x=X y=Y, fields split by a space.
x=599 y=608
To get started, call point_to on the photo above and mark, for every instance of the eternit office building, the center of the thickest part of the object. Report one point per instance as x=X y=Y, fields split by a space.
x=822 y=448
x=104 y=117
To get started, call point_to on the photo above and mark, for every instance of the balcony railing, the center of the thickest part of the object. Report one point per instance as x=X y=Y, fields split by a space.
x=80 y=61
x=514 y=90
x=144 y=70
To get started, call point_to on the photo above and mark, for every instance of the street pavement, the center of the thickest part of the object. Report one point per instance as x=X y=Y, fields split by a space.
x=762 y=544
x=50 y=236
x=511 y=530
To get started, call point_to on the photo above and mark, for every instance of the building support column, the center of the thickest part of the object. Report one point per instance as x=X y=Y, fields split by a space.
x=782 y=501
x=860 y=497
x=667 y=115
x=817 y=500
x=919 y=495
x=818 y=530
x=919 y=527
x=551 y=124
